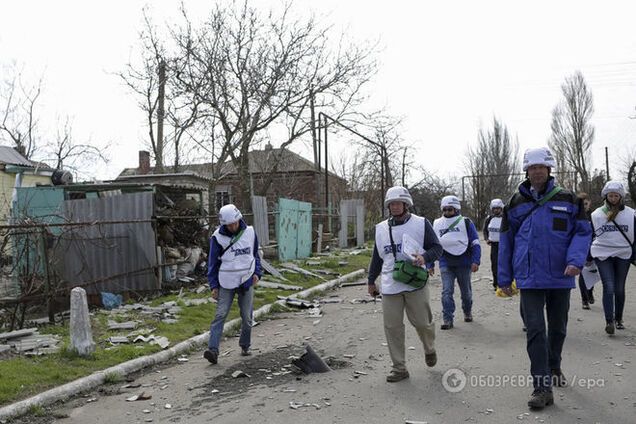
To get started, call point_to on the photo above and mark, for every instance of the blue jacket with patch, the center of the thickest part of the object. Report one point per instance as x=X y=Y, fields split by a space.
x=537 y=245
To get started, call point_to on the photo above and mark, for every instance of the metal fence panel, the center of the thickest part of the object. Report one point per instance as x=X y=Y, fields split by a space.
x=261 y=224
x=125 y=251
x=293 y=229
x=304 y=238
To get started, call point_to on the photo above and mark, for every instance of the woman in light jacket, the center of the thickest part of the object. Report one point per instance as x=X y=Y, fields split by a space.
x=612 y=248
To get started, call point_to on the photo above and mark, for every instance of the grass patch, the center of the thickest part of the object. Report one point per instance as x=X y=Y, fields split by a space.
x=113 y=378
x=21 y=377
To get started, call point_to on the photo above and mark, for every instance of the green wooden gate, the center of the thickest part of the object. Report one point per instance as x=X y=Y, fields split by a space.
x=293 y=229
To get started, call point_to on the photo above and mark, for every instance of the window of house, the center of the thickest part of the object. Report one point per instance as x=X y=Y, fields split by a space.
x=222 y=198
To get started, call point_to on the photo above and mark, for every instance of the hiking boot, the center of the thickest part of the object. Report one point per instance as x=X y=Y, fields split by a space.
x=211 y=356
x=468 y=318
x=558 y=379
x=586 y=305
x=245 y=351
x=395 y=376
x=447 y=325
x=431 y=359
x=609 y=327
x=619 y=325
x=539 y=399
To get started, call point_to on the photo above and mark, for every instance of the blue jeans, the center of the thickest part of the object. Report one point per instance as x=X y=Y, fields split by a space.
x=223 y=305
x=544 y=349
x=462 y=274
x=613 y=273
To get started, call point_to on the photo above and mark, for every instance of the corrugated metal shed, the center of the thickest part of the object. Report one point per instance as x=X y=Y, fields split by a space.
x=125 y=251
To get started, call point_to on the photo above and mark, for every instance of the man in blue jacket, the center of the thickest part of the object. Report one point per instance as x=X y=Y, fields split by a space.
x=234 y=267
x=545 y=237
x=462 y=255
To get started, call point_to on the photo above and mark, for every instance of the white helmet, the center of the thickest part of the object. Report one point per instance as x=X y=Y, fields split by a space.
x=538 y=156
x=229 y=214
x=613 y=187
x=398 y=194
x=496 y=203
x=451 y=201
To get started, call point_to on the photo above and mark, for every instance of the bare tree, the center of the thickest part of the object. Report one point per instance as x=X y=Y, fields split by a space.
x=254 y=70
x=572 y=133
x=66 y=153
x=428 y=192
x=19 y=123
x=491 y=166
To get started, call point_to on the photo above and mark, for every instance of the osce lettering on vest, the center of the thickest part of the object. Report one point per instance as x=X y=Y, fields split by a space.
x=455 y=241
x=413 y=228
x=238 y=262
x=494 y=228
x=608 y=240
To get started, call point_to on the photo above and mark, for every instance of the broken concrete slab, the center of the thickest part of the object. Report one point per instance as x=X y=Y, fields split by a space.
x=115 y=340
x=281 y=286
x=128 y=325
x=294 y=267
x=269 y=268
x=162 y=341
x=18 y=333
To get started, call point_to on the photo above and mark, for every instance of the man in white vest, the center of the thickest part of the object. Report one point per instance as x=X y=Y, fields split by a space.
x=492 y=228
x=462 y=255
x=234 y=268
x=392 y=237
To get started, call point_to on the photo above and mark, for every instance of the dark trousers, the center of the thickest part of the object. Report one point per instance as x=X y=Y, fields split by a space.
x=585 y=293
x=494 y=261
x=544 y=349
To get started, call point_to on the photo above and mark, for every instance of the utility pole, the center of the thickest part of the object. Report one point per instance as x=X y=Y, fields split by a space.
x=160 y=115
x=607 y=174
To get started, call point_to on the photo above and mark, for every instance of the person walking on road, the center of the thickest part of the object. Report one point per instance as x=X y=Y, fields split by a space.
x=462 y=255
x=492 y=228
x=587 y=295
x=545 y=237
x=234 y=268
x=391 y=261
x=612 y=249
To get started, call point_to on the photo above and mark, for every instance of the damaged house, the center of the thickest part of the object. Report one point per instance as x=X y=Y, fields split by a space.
x=127 y=238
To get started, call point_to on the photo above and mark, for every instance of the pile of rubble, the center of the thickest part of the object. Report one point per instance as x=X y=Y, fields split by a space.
x=28 y=342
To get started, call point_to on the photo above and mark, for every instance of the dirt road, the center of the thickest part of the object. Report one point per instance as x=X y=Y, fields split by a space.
x=488 y=355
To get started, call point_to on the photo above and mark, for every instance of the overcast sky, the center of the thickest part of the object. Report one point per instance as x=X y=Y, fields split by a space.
x=447 y=67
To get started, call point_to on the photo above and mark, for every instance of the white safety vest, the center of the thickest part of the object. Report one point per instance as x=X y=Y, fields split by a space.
x=494 y=228
x=238 y=262
x=455 y=241
x=608 y=241
x=414 y=228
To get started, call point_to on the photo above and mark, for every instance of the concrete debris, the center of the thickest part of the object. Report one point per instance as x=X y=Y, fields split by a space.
x=140 y=396
x=298 y=303
x=162 y=341
x=131 y=386
x=18 y=333
x=128 y=325
x=343 y=263
x=280 y=286
x=115 y=340
x=167 y=406
x=240 y=374
x=312 y=263
x=270 y=269
x=29 y=342
x=294 y=267
x=326 y=272
x=170 y=321
x=349 y=355
x=182 y=359
x=295 y=405
x=202 y=288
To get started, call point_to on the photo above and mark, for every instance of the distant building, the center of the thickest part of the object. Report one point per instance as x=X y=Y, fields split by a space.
x=287 y=174
x=17 y=171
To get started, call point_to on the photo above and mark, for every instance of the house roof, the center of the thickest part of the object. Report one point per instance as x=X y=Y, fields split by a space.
x=9 y=156
x=260 y=161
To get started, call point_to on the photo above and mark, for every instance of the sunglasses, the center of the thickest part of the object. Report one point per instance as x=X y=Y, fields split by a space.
x=448 y=210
